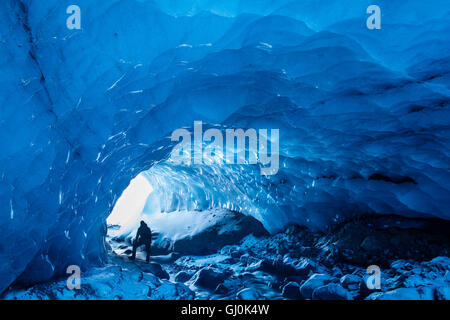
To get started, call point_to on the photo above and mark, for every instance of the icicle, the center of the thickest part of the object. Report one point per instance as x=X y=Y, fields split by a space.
x=12 y=209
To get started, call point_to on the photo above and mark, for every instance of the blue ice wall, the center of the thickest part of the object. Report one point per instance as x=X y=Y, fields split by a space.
x=363 y=114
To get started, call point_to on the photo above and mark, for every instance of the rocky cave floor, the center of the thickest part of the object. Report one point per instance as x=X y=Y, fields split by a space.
x=413 y=256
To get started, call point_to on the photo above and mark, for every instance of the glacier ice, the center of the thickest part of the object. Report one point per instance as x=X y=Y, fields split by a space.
x=363 y=115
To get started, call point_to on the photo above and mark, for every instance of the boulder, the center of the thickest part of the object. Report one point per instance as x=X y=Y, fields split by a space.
x=208 y=278
x=331 y=291
x=280 y=268
x=244 y=258
x=397 y=294
x=304 y=266
x=401 y=265
x=221 y=289
x=248 y=294
x=350 y=281
x=236 y=254
x=205 y=233
x=156 y=269
x=182 y=276
x=442 y=293
x=381 y=239
x=426 y=293
x=337 y=272
x=291 y=291
x=315 y=281
x=246 y=276
x=171 y=291
x=440 y=263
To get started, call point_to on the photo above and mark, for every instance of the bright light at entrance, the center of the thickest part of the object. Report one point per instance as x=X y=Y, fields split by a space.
x=129 y=207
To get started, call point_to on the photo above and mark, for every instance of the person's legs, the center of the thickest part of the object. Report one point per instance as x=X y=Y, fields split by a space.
x=147 y=249
x=135 y=246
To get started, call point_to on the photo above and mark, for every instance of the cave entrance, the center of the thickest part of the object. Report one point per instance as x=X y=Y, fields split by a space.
x=192 y=210
x=124 y=219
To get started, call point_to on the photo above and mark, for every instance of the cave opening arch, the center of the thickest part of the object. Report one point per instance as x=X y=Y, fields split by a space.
x=175 y=198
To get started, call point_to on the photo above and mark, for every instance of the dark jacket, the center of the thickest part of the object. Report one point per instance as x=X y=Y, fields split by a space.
x=144 y=234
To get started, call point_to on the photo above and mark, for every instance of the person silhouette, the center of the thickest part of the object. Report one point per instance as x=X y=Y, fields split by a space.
x=143 y=237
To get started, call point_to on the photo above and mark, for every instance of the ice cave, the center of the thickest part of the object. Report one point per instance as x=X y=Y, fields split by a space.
x=87 y=115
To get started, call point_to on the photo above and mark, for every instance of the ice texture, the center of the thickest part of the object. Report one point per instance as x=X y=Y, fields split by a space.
x=363 y=115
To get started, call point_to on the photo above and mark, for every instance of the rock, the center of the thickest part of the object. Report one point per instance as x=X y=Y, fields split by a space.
x=441 y=263
x=182 y=276
x=305 y=266
x=278 y=268
x=442 y=293
x=252 y=260
x=244 y=258
x=168 y=258
x=221 y=289
x=397 y=294
x=300 y=233
x=400 y=265
x=161 y=245
x=350 y=281
x=246 y=276
x=291 y=291
x=315 y=281
x=331 y=291
x=337 y=272
x=219 y=228
x=236 y=254
x=171 y=291
x=248 y=294
x=275 y=285
x=426 y=293
x=208 y=278
x=364 y=291
x=155 y=269
x=381 y=239
x=372 y=243
x=308 y=251
x=226 y=250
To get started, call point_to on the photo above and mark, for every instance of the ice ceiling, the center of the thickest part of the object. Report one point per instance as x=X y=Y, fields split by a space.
x=363 y=114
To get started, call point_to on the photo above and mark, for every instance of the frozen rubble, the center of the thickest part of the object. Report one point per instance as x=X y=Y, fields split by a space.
x=119 y=280
x=245 y=271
